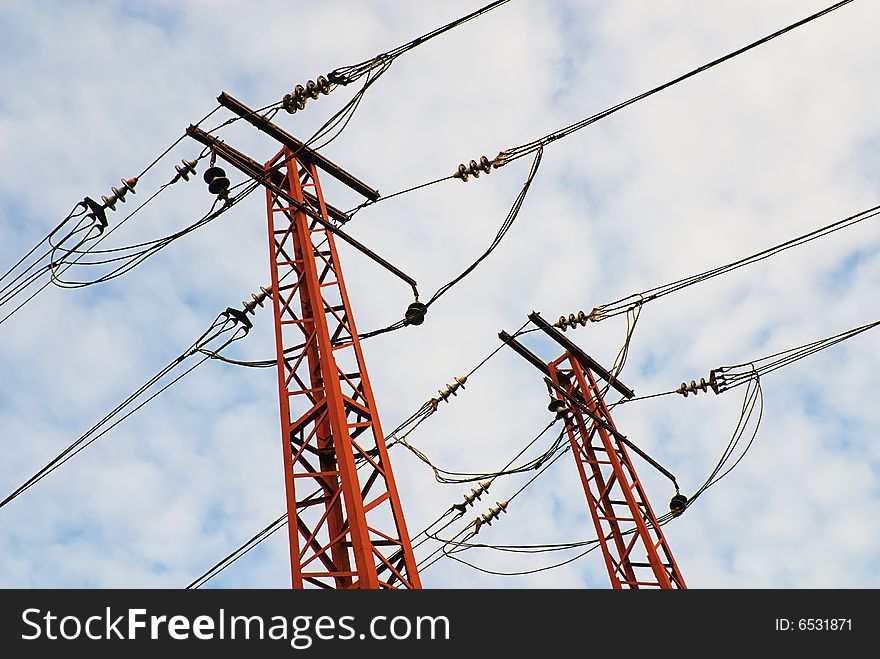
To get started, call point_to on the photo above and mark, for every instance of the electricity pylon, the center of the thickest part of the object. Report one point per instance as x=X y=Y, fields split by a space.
x=634 y=549
x=352 y=534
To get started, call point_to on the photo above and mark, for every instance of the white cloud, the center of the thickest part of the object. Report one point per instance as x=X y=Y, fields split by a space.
x=764 y=147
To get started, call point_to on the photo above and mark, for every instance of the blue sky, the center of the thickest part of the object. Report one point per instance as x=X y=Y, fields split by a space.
x=763 y=148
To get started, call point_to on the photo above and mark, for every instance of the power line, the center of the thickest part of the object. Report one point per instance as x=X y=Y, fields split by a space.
x=636 y=300
x=397 y=436
x=446 y=476
x=412 y=421
x=225 y=322
x=752 y=399
x=510 y=155
x=537 y=146
x=505 y=227
x=147 y=249
x=419 y=308
x=87 y=209
x=424 y=563
x=729 y=377
x=372 y=68
x=375 y=66
x=56 y=268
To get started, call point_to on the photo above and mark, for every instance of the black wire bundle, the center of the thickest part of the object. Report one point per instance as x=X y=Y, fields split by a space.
x=502 y=231
x=505 y=227
x=31 y=268
x=738 y=374
x=451 y=546
x=373 y=69
x=223 y=324
x=446 y=476
x=636 y=300
x=530 y=147
x=56 y=259
x=753 y=398
x=347 y=74
x=471 y=529
x=126 y=258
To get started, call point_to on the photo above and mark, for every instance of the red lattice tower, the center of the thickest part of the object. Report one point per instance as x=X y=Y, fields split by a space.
x=633 y=545
x=353 y=534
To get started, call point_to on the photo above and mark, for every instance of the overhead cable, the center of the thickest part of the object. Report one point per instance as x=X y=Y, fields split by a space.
x=376 y=66
x=636 y=300
x=509 y=155
x=724 y=378
x=233 y=323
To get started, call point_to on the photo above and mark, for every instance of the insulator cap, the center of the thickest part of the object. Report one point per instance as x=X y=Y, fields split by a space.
x=415 y=313
x=678 y=504
x=452 y=389
x=216 y=179
x=129 y=183
x=212 y=172
x=258 y=299
x=572 y=321
x=185 y=170
x=110 y=202
x=120 y=194
x=473 y=168
x=715 y=383
x=469 y=499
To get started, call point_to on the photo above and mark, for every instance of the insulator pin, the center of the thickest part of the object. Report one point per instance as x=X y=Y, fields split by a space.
x=258 y=299
x=473 y=168
x=184 y=171
x=489 y=517
x=297 y=99
x=469 y=499
x=452 y=389
x=119 y=193
x=715 y=383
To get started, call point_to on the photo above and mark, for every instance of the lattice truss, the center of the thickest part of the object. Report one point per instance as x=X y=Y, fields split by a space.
x=349 y=531
x=633 y=545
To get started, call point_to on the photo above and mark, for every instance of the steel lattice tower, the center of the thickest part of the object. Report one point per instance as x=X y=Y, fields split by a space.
x=351 y=532
x=633 y=545
x=353 y=535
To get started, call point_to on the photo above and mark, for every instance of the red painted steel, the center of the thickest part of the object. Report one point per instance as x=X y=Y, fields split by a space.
x=353 y=535
x=633 y=545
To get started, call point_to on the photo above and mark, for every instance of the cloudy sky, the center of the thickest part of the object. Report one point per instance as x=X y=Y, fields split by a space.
x=765 y=147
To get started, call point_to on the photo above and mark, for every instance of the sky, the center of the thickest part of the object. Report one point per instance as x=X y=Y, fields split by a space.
x=760 y=149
